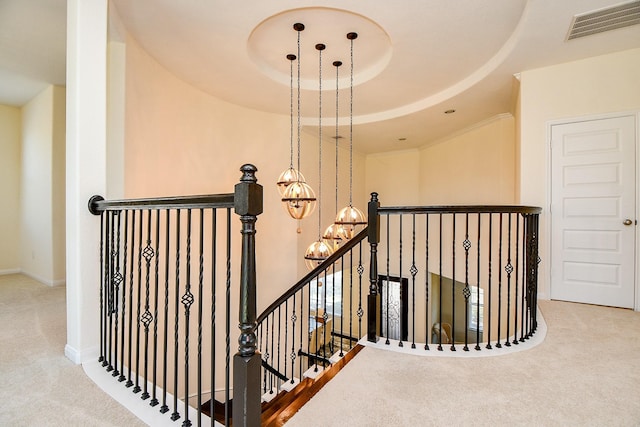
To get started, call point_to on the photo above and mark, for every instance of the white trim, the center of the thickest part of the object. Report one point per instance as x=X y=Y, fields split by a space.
x=547 y=233
x=140 y=408
x=50 y=283
x=78 y=357
x=537 y=338
x=10 y=271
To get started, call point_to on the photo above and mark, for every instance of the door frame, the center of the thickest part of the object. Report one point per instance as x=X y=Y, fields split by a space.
x=547 y=231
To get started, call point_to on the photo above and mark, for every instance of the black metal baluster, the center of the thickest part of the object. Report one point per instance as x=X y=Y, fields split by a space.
x=441 y=287
x=317 y=279
x=427 y=320
x=333 y=302
x=117 y=280
x=508 y=269
x=165 y=408
x=350 y=302
x=478 y=314
x=413 y=270
x=286 y=335
x=103 y=311
x=187 y=300
x=524 y=278
x=273 y=355
x=147 y=317
x=200 y=308
x=175 y=415
x=400 y=272
x=121 y=378
x=325 y=316
x=154 y=398
x=279 y=338
x=515 y=317
x=489 y=300
x=129 y=382
x=266 y=358
x=360 y=311
x=137 y=388
x=386 y=333
x=227 y=373
x=341 y=306
x=498 y=345
x=214 y=257
x=109 y=288
x=466 y=244
x=453 y=286
x=302 y=323
x=293 y=339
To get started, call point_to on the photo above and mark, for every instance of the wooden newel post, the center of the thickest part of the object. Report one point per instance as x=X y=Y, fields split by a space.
x=246 y=363
x=374 y=239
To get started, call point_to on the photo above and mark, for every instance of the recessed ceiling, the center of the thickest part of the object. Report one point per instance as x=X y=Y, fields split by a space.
x=413 y=60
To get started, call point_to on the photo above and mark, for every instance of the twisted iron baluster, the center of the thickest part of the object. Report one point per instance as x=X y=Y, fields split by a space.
x=478 y=314
x=175 y=415
x=165 y=408
x=121 y=378
x=489 y=300
x=154 y=399
x=466 y=244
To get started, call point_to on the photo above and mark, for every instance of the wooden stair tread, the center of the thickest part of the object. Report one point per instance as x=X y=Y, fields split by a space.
x=285 y=405
x=277 y=412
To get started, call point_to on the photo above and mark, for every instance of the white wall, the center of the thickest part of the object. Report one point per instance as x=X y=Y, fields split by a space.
x=598 y=85
x=10 y=136
x=42 y=187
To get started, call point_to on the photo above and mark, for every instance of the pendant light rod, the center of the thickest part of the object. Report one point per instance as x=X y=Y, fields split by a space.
x=320 y=47
x=291 y=57
x=299 y=28
x=337 y=64
x=351 y=36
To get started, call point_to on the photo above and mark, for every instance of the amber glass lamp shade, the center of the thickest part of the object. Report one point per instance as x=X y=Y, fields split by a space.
x=288 y=177
x=349 y=219
x=299 y=200
x=316 y=253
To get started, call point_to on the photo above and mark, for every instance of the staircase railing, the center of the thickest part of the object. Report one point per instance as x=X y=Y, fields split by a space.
x=316 y=321
x=165 y=300
x=453 y=276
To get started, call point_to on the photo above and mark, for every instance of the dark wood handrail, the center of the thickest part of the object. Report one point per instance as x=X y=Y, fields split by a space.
x=309 y=276
x=462 y=209
x=97 y=204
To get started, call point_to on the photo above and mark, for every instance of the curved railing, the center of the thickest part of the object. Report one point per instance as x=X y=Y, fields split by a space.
x=316 y=321
x=454 y=276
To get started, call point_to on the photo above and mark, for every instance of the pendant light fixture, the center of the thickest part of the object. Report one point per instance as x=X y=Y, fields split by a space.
x=350 y=217
x=290 y=175
x=319 y=250
x=299 y=199
x=333 y=233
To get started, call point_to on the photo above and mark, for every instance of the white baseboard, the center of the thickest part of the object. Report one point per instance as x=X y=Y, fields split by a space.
x=48 y=282
x=78 y=356
x=9 y=271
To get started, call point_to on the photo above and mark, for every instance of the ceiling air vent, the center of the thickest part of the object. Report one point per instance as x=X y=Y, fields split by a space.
x=622 y=15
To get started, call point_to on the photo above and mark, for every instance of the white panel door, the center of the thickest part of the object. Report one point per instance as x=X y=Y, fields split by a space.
x=593 y=222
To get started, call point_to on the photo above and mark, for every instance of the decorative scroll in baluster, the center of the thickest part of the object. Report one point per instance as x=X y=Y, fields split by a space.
x=148 y=253
x=509 y=270
x=246 y=373
x=374 y=239
x=413 y=270
x=466 y=244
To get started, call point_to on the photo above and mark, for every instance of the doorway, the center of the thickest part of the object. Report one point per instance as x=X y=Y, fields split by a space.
x=593 y=211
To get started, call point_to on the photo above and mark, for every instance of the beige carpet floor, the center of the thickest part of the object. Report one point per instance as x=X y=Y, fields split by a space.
x=585 y=373
x=39 y=386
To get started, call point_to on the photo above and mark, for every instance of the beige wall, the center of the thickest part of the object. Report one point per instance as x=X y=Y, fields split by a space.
x=182 y=141
x=474 y=166
x=42 y=253
x=599 y=85
x=10 y=135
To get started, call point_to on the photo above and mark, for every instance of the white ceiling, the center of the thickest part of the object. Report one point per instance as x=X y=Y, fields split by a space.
x=412 y=59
